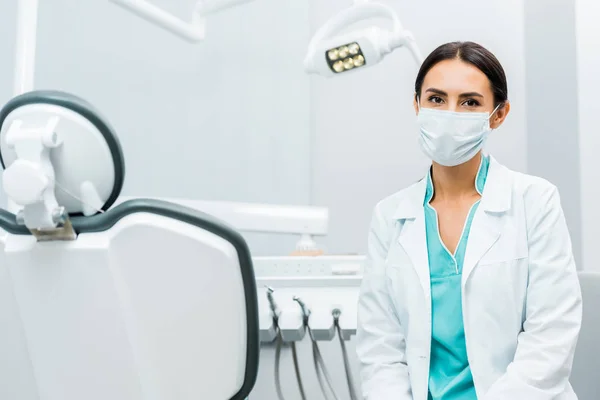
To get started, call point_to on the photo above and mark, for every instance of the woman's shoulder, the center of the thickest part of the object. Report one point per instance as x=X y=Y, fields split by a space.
x=535 y=195
x=526 y=186
x=532 y=187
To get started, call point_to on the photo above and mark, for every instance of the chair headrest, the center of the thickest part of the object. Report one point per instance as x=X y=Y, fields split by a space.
x=90 y=150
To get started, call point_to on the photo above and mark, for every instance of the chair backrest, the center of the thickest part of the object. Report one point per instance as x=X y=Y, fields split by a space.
x=152 y=301
x=585 y=376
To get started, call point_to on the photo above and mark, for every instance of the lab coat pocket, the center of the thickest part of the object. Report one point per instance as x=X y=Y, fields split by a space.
x=497 y=260
x=511 y=246
x=500 y=259
x=498 y=290
x=503 y=271
x=500 y=276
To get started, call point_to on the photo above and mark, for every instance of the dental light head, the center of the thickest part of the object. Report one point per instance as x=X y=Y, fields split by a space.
x=60 y=159
x=332 y=52
x=192 y=31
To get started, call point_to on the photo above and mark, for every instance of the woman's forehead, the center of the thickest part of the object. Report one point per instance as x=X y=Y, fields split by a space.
x=456 y=76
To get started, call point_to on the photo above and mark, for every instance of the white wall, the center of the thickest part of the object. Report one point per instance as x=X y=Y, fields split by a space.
x=588 y=67
x=552 y=106
x=7 y=46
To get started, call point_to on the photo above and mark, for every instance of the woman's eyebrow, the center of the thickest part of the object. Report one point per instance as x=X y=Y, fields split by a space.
x=442 y=93
x=437 y=91
x=471 y=94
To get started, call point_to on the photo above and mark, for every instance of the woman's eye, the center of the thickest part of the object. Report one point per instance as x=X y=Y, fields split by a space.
x=471 y=103
x=436 y=99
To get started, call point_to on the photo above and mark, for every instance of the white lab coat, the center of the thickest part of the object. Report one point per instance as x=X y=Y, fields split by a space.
x=521 y=296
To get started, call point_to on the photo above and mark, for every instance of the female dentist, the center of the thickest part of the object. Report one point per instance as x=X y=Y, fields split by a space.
x=471 y=290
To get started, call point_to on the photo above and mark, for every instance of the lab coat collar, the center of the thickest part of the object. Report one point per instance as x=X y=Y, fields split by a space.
x=487 y=224
x=496 y=196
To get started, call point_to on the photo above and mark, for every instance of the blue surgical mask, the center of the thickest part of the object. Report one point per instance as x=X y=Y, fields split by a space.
x=452 y=138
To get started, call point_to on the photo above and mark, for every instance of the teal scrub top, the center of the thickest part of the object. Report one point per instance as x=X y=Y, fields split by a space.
x=449 y=372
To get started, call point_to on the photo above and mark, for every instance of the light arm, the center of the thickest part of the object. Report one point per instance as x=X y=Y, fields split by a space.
x=192 y=31
x=411 y=44
x=352 y=15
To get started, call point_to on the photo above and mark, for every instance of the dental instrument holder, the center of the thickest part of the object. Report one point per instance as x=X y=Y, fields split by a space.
x=291 y=325
x=322 y=326
x=292 y=322
x=338 y=316
x=29 y=181
x=322 y=331
x=269 y=334
x=273 y=304
x=305 y=310
x=271 y=320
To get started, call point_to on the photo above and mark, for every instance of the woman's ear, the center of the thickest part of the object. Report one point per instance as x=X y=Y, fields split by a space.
x=500 y=115
x=416 y=104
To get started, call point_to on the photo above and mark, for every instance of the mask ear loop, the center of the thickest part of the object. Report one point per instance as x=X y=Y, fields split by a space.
x=418 y=104
x=492 y=113
x=495 y=109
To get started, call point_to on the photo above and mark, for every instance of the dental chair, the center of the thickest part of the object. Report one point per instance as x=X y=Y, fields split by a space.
x=586 y=364
x=144 y=301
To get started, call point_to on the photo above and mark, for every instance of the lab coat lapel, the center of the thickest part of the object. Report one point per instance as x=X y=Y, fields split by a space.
x=485 y=232
x=412 y=236
x=488 y=222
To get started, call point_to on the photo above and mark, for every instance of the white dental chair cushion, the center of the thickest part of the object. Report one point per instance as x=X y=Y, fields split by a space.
x=152 y=301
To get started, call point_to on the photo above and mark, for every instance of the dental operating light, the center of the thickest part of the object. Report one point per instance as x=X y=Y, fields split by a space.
x=332 y=52
x=193 y=31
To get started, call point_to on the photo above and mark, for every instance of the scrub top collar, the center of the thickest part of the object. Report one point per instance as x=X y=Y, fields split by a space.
x=480 y=179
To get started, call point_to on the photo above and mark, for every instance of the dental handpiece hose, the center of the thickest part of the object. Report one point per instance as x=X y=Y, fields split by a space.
x=336 y=318
x=305 y=315
x=319 y=364
x=276 y=312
